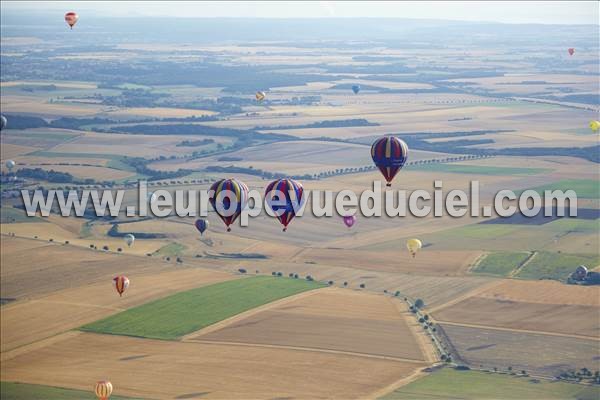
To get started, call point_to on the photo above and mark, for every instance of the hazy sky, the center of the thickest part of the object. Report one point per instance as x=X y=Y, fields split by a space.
x=548 y=12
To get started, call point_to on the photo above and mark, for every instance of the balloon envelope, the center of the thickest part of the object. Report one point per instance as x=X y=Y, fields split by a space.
x=413 y=245
x=389 y=155
x=349 y=220
x=201 y=224
x=260 y=96
x=594 y=126
x=71 y=18
x=571 y=51
x=356 y=89
x=10 y=164
x=3 y=122
x=121 y=283
x=228 y=197
x=129 y=239
x=103 y=390
x=284 y=197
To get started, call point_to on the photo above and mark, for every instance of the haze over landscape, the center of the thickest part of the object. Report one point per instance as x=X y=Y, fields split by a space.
x=185 y=95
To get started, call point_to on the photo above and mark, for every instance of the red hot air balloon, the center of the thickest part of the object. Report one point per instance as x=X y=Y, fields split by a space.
x=571 y=51
x=284 y=197
x=389 y=155
x=121 y=283
x=349 y=220
x=228 y=197
x=71 y=18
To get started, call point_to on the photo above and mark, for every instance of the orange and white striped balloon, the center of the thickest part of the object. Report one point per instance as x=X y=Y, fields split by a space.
x=121 y=283
x=71 y=18
x=103 y=390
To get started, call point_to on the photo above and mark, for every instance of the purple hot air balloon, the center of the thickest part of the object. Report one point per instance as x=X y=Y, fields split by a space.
x=349 y=220
x=201 y=225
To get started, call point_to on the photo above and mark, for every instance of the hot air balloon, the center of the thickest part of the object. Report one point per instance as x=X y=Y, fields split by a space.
x=202 y=225
x=413 y=245
x=3 y=122
x=284 y=196
x=121 y=283
x=349 y=220
x=103 y=390
x=581 y=272
x=228 y=197
x=129 y=239
x=389 y=155
x=594 y=126
x=260 y=96
x=71 y=18
x=10 y=164
x=356 y=89
x=571 y=51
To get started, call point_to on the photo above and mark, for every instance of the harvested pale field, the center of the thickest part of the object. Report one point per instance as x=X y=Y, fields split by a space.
x=81 y=172
x=37 y=105
x=545 y=306
x=31 y=320
x=11 y=151
x=58 y=84
x=162 y=369
x=427 y=262
x=158 y=112
x=538 y=354
x=330 y=319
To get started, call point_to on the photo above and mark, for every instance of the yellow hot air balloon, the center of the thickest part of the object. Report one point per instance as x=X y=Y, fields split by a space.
x=413 y=245
x=594 y=125
x=260 y=96
x=103 y=390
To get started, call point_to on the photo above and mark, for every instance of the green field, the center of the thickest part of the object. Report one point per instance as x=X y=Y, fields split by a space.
x=451 y=384
x=12 y=215
x=170 y=250
x=585 y=188
x=478 y=169
x=549 y=265
x=501 y=263
x=185 y=312
x=25 y=391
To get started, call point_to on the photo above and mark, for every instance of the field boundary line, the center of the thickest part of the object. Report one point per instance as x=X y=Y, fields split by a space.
x=246 y=314
x=310 y=349
x=418 y=373
x=500 y=328
x=427 y=349
x=471 y=293
x=478 y=261
x=73 y=303
x=40 y=344
x=520 y=267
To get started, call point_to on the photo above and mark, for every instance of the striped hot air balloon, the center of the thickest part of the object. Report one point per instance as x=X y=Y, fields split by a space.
x=260 y=96
x=103 y=390
x=121 y=283
x=71 y=18
x=284 y=197
x=389 y=155
x=228 y=197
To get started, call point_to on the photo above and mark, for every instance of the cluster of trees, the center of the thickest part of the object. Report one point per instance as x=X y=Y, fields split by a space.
x=195 y=143
x=45 y=175
x=323 y=124
x=114 y=232
x=584 y=374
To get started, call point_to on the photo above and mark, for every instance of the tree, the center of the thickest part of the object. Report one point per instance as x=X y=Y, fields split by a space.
x=105 y=248
x=419 y=303
x=362 y=286
x=119 y=249
x=345 y=284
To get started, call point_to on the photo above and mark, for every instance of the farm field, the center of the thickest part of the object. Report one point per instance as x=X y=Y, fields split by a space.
x=537 y=354
x=322 y=310
x=185 y=312
x=542 y=306
x=331 y=319
x=166 y=369
x=448 y=383
x=500 y=263
x=23 y=391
